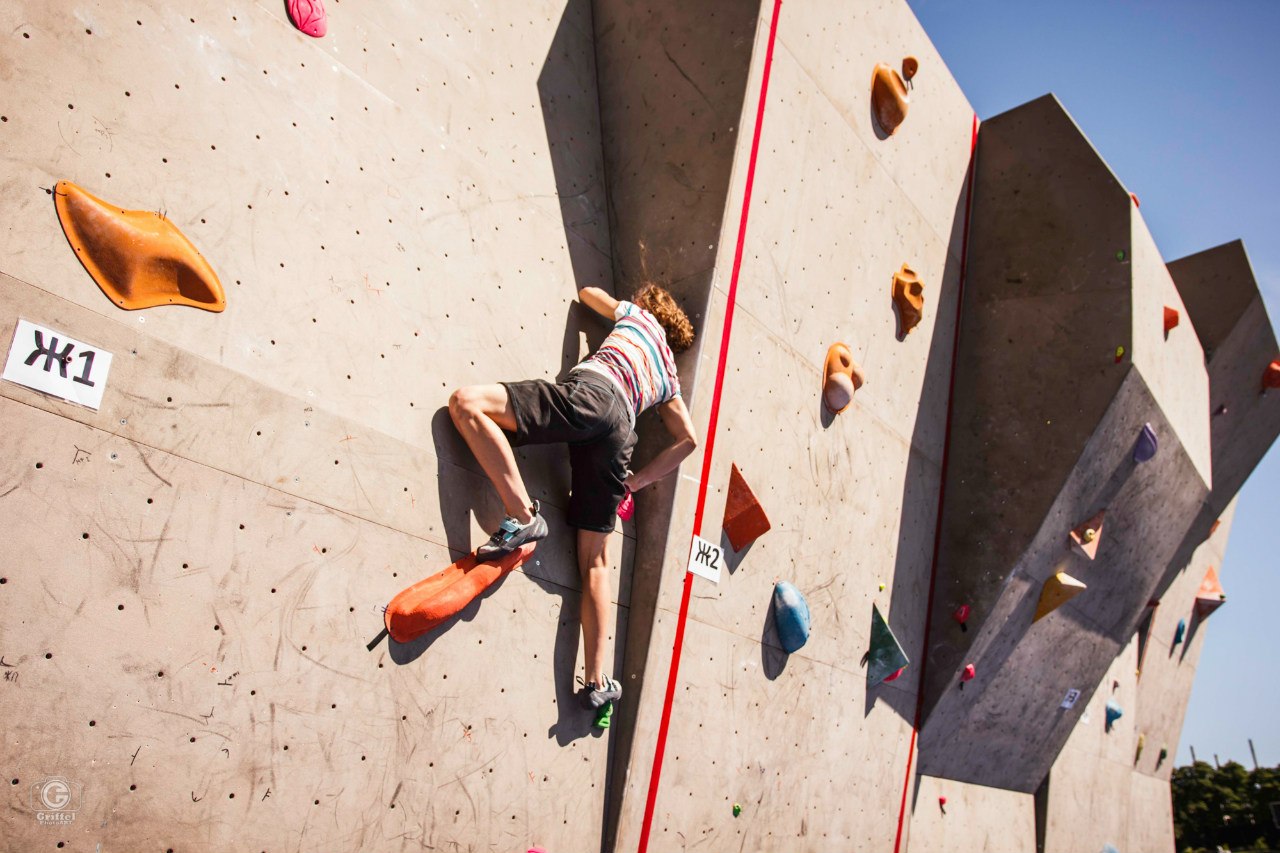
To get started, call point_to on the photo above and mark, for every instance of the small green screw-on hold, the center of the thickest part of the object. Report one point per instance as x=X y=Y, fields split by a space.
x=1120 y=255
x=603 y=715
x=737 y=809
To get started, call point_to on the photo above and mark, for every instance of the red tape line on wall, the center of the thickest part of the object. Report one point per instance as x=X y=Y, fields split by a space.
x=661 y=745
x=942 y=489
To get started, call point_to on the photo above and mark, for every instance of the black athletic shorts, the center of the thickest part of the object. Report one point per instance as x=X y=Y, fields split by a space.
x=588 y=412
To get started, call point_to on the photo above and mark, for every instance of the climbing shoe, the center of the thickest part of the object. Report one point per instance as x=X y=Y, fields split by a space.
x=511 y=534
x=596 y=696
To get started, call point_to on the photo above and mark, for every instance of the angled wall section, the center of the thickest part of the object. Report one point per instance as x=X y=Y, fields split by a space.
x=1061 y=366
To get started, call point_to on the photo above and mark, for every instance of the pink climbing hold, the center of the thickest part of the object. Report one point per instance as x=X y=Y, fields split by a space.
x=627 y=507
x=969 y=672
x=308 y=16
x=942 y=801
x=893 y=677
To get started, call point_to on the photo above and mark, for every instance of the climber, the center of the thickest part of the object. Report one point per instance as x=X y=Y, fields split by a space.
x=594 y=411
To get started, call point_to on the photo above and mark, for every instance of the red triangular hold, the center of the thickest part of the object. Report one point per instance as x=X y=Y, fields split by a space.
x=1271 y=376
x=1088 y=536
x=1210 y=596
x=1170 y=319
x=744 y=518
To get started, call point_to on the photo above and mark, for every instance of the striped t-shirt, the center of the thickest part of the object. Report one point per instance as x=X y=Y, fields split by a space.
x=636 y=356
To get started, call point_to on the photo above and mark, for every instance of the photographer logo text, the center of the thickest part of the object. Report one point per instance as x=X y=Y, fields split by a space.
x=56 y=800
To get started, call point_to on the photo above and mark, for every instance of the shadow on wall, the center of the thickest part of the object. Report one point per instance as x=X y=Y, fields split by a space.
x=914 y=564
x=570 y=111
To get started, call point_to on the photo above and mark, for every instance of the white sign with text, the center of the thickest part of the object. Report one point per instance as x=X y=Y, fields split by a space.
x=53 y=363
x=705 y=559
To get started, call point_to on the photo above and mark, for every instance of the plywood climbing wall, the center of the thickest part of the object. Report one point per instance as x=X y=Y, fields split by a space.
x=815 y=759
x=193 y=572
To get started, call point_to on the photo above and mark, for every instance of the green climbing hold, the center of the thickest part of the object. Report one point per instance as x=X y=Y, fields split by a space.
x=1120 y=256
x=886 y=656
x=604 y=716
x=737 y=809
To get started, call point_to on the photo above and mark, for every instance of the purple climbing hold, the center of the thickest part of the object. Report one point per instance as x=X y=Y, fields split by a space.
x=1147 y=444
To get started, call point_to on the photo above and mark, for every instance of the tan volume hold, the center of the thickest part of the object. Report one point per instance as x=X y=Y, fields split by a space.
x=908 y=297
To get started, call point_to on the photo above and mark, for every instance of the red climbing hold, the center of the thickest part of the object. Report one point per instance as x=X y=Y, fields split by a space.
x=1170 y=319
x=627 y=506
x=961 y=614
x=1271 y=376
x=1088 y=536
x=1210 y=596
x=1136 y=203
x=308 y=16
x=942 y=801
x=431 y=601
x=744 y=518
x=1213 y=528
x=893 y=677
x=969 y=672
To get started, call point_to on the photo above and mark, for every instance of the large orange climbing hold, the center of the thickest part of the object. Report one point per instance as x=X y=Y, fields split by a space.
x=431 y=601
x=908 y=298
x=1170 y=319
x=744 y=518
x=138 y=258
x=1088 y=536
x=1057 y=591
x=889 y=98
x=841 y=377
x=1210 y=596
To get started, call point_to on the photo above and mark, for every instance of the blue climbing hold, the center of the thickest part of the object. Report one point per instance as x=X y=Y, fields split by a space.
x=1114 y=712
x=1147 y=444
x=1181 y=632
x=791 y=615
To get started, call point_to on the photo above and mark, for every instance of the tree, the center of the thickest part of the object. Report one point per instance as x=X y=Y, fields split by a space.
x=1227 y=807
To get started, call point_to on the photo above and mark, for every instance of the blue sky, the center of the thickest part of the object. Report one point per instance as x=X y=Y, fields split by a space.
x=1181 y=99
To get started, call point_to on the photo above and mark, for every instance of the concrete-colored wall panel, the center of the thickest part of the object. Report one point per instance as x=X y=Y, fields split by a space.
x=167 y=612
x=164 y=398
x=829 y=226
x=1173 y=366
x=975 y=818
x=1231 y=320
x=1005 y=727
x=431 y=210
x=928 y=155
x=1045 y=302
x=1151 y=804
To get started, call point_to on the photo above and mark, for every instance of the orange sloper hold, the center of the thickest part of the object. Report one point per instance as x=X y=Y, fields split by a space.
x=908 y=297
x=841 y=377
x=1170 y=320
x=431 y=601
x=889 y=98
x=744 y=518
x=1057 y=591
x=1210 y=596
x=1087 y=536
x=138 y=258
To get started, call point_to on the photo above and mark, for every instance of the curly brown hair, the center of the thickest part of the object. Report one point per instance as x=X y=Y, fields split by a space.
x=663 y=306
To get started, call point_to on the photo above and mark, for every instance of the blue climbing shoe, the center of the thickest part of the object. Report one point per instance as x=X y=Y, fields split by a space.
x=594 y=697
x=511 y=534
